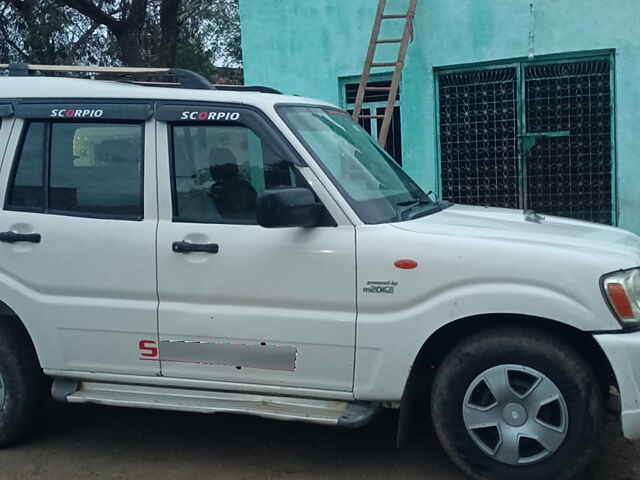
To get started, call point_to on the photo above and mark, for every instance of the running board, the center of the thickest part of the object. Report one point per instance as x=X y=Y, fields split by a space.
x=325 y=412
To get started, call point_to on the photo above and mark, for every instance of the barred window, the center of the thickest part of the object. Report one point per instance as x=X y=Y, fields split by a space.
x=533 y=136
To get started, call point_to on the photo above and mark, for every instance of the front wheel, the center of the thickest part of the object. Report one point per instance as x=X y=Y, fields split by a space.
x=517 y=404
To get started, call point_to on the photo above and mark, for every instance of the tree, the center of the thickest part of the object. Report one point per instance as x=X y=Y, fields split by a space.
x=169 y=10
x=197 y=34
x=125 y=20
x=209 y=29
x=40 y=32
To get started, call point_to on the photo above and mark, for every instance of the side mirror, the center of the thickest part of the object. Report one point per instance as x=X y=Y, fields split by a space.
x=288 y=207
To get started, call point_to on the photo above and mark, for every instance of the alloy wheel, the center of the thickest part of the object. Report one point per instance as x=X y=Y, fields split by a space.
x=515 y=414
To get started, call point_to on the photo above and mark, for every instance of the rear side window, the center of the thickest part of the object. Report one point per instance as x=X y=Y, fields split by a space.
x=84 y=169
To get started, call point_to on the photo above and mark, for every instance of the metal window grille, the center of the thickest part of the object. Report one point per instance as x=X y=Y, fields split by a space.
x=531 y=136
x=569 y=162
x=478 y=137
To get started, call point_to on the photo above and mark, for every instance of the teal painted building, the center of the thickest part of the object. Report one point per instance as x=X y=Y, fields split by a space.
x=517 y=103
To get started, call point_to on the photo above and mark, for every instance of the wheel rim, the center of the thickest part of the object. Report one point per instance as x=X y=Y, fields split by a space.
x=2 y=393
x=515 y=414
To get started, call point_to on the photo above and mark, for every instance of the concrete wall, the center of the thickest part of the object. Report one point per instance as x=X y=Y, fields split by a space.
x=305 y=46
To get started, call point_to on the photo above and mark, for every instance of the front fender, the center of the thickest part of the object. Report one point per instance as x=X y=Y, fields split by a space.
x=389 y=342
x=459 y=278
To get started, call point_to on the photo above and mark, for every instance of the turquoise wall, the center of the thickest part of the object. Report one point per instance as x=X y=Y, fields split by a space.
x=306 y=46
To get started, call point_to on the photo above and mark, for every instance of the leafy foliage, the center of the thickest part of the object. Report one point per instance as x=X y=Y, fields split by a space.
x=196 y=34
x=42 y=32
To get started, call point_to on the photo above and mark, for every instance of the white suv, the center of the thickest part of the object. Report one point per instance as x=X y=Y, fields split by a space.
x=213 y=250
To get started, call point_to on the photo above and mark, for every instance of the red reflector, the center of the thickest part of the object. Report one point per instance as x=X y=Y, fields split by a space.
x=620 y=301
x=406 y=264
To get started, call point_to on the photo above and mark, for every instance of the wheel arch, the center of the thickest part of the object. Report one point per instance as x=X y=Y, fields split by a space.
x=9 y=316
x=443 y=340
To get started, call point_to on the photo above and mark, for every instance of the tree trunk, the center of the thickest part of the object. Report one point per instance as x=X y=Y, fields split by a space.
x=128 y=31
x=130 y=47
x=169 y=33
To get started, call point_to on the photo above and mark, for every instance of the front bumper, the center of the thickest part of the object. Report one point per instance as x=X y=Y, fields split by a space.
x=623 y=352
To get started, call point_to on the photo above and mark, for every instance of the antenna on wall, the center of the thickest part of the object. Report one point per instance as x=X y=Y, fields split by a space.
x=532 y=31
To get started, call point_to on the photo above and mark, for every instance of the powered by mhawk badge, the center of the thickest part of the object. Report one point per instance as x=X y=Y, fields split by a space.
x=383 y=287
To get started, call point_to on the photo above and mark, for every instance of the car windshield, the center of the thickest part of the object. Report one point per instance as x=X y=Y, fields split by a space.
x=371 y=181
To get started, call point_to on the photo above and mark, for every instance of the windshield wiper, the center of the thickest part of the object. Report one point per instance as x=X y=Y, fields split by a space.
x=412 y=205
x=413 y=202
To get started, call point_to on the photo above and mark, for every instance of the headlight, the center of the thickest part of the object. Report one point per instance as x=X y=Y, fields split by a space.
x=622 y=291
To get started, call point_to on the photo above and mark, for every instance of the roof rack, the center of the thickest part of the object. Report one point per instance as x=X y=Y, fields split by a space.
x=247 y=88
x=146 y=76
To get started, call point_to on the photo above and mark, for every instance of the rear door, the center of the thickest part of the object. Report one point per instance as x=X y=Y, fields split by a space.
x=77 y=233
x=259 y=306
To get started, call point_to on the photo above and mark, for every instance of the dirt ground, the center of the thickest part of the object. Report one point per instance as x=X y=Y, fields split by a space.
x=79 y=442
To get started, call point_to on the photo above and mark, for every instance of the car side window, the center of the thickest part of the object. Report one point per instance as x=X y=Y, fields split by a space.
x=27 y=189
x=94 y=170
x=219 y=170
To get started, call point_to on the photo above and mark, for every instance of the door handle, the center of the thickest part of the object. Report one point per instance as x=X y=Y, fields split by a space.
x=188 y=247
x=13 y=237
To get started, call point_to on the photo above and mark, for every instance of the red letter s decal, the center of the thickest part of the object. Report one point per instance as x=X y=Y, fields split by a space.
x=148 y=349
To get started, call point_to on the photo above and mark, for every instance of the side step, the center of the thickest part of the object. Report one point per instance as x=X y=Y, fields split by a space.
x=325 y=412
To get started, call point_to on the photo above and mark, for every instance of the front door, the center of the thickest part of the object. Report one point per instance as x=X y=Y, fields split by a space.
x=252 y=305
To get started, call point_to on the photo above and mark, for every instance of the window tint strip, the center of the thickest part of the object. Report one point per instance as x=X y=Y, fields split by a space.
x=200 y=113
x=84 y=111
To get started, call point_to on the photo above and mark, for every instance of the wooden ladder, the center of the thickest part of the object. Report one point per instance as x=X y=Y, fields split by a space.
x=370 y=64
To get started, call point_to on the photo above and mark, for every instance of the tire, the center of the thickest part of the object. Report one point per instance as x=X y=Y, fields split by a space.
x=22 y=384
x=522 y=366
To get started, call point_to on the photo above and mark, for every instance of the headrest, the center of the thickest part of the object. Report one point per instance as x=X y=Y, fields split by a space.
x=225 y=172
x=224 y=165
x=221 y=156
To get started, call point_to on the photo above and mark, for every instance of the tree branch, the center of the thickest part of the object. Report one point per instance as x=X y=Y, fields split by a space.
x=95 y=13
x=84 y=38
x=23 y=7
x=198 y=7
x=11 y=43
x=17 y=4
x=137 y=13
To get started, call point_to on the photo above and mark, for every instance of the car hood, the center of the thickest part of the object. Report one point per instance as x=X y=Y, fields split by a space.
x=513 y=225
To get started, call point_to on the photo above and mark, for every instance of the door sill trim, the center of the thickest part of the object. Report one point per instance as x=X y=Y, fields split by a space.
x=200 y=384
x=277 y=407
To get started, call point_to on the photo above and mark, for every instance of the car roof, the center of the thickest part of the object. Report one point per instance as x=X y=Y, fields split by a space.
x=15 y=88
